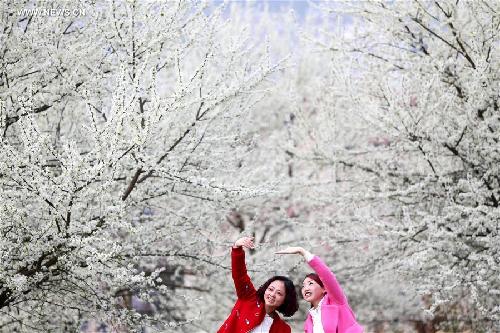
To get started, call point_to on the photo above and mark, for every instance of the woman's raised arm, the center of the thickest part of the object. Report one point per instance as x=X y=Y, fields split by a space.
x=329 y=280
x=242 y=283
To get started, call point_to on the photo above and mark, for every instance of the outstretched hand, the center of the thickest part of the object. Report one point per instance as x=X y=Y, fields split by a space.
x=292 y=250
x=246 y=242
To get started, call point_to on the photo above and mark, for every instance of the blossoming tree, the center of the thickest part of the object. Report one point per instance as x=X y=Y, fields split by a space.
x=417 y=85
x=121 y=131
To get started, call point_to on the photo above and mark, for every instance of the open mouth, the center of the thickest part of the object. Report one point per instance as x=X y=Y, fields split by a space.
x=307 y=294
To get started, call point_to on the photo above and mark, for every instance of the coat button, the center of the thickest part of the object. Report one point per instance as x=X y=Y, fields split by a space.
x=247 y=321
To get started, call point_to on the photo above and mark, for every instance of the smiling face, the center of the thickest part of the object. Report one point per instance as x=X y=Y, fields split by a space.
x=312 y=291
x=274 y=295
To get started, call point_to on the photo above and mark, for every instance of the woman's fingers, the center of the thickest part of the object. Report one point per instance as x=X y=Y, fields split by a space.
x=284 y=251
x=290 y=250
x=246 y=242
x=249 y=241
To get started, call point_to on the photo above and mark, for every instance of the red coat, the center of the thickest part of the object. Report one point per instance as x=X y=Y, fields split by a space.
x=248 y=312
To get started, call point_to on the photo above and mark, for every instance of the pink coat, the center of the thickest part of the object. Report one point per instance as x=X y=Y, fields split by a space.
x=336 y=315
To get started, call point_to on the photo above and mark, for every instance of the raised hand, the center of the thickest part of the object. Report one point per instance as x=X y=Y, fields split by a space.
x=292 y=250
x=246 y=242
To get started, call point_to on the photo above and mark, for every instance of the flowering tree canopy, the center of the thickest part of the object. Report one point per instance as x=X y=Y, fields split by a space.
x=420 y=80
x=120 y=132
x=138 y=139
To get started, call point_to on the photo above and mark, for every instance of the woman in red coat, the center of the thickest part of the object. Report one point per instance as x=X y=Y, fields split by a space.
x=255 y=311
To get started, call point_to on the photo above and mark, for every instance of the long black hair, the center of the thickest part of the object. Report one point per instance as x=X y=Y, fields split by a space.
x=290 y=304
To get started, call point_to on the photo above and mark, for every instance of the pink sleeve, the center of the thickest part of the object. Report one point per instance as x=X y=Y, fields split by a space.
x=329 y=280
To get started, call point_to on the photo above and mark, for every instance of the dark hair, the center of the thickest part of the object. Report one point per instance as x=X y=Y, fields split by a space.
x=315 y=277
x=290 y=304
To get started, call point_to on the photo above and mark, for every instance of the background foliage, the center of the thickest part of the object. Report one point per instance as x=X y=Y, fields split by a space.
x=139 y=139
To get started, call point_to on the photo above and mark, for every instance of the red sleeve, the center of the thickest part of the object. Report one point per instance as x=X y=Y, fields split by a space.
x=242 y=282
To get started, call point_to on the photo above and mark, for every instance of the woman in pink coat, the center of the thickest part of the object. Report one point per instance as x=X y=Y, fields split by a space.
x=330 y=312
